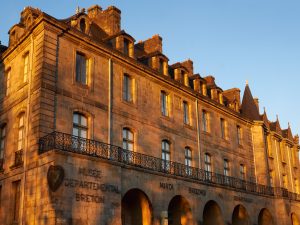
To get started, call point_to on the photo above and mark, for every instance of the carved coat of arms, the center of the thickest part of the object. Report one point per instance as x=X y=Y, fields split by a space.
x=55 y=177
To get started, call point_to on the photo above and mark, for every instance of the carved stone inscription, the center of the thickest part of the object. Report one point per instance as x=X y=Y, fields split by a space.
x=196 y=191
x=90 y=186
x=243 y=199
x=166 y=186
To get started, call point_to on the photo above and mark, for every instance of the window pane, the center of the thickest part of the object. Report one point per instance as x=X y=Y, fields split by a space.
x=76 y=118
x=130 y=147
x=83 y=134
x=130 y=135
x=83 y=121
x=75 y=131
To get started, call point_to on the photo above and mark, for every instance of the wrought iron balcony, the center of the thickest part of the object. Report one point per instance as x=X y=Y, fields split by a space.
x=70 y=143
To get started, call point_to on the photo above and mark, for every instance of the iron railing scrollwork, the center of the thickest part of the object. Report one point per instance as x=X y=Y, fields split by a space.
x=70 y=143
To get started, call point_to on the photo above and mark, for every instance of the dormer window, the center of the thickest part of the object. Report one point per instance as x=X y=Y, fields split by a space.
x=126 y=47
x=161 y=66
x=82 y=25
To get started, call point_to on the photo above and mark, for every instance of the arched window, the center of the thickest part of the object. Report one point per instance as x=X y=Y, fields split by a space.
x=21 y=132
x=80 y=126
x=165 y=149
x=207 y=166
x=128 y=139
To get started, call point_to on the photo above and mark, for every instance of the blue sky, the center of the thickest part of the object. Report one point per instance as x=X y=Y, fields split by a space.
x=233 y=40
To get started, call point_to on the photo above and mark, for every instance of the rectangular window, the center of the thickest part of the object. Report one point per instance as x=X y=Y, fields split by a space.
x=239 y=134
x=82 y=68
x=126 y=47
x=21 y=131
x=26 y=67
x=242 y=172
x=186 y=113
x=207 y=166
x=164 y=103
x=2 y=140
x=127 y=88
x=16 y=188
x=165 y=156
x=8 y=82
x=161 y=66
x=204 y=121
x=222 y=126
x=188 y=160
x=226 y=167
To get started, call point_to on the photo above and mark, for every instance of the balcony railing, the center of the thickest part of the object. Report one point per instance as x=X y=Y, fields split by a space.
x=69 y=143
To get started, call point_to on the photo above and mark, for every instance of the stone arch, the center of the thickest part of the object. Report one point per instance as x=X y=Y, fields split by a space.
x=240 y=216
x=212 y=214
x=265 y=217
x=179 y=211
x=136 y=208
x=295 y=220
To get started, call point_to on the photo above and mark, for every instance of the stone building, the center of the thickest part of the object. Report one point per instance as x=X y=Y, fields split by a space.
x=98 y=129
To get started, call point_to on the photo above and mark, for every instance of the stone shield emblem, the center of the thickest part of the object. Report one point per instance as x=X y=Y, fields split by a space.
x=55 y=177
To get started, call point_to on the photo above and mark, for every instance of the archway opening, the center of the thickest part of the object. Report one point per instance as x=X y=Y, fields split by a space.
x=240 y=216
x=295 y=220
x=136 y=208
x=265 y=217
x=212 y=214
x=179 y=211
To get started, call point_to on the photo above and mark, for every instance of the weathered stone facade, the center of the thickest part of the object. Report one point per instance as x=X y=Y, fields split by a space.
x=190 y=152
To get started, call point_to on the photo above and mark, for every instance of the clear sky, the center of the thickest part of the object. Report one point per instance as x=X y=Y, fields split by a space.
x=233 y=40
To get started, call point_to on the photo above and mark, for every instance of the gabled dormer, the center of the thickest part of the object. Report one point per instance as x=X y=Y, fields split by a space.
x=214 y=92
x=265 y=119
x=232 y=98
x=199 y=84
x=123 y=42
x=81 y=22
x=180 y=73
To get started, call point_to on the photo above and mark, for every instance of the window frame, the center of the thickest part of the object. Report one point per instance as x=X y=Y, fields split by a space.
x=165 y=154
x=3 y=127
x=239 y=135
x=205 y=122
x=79 y=79
x=128 y=88
x=226 y=167
x=7 y=82
x=26 y=67
x=164 y=103
x=79 y=126
x=21 y=132
x=126 y=140
x=242 y=172
x=186 y=113
x=223 y=128
x=16 y=188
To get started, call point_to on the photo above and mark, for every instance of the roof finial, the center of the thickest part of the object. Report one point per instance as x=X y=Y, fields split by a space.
x=277 y=117
x=247 y=83
x=77 y=10
x=264 y=109
x=289 y=125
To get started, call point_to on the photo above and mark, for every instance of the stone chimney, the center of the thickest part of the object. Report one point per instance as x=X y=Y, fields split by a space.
x=153 y=44
x=188 y=64
x=109 y=20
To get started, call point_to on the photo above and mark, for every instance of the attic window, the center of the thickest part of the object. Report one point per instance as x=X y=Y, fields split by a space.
x=82 y=25
x=126 y=47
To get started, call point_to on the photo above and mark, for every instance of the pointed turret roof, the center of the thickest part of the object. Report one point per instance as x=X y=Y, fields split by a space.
x=249 y=108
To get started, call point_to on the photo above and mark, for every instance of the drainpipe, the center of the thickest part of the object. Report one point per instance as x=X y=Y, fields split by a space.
x=110 y=70
x=27 y=130
x=198 y=133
